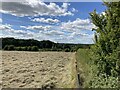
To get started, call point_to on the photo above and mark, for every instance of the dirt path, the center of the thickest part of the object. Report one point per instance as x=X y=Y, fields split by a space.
x=38 y=69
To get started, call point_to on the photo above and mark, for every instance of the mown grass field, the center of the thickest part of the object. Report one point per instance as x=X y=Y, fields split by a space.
x=38 y=69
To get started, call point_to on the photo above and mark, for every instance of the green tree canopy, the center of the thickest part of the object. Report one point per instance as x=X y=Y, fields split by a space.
x=107 y=45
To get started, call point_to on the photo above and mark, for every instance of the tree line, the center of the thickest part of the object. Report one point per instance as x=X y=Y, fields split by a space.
x=34 y=45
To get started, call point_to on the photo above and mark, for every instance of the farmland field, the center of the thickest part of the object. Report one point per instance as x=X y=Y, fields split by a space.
x=38 y=69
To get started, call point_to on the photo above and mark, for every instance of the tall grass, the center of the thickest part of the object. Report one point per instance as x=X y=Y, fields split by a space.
x=83 y=63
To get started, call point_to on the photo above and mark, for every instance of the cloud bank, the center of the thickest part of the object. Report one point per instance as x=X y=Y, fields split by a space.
x=35 y=8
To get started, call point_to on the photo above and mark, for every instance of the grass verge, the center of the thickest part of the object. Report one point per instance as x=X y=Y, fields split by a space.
x=84 y=65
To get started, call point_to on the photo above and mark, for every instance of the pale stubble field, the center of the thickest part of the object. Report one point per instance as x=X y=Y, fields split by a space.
x=22 y=69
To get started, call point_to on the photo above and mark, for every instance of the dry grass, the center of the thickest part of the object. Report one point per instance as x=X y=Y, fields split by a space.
x=37 y=69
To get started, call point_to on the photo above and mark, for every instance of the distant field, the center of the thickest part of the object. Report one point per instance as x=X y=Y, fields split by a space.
x=38 y=69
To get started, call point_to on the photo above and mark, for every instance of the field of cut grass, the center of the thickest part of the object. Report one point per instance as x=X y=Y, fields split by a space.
x=84 y=66
x=38 y=69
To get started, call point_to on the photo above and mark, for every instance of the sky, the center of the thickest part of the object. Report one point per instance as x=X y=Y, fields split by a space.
x=56 y=21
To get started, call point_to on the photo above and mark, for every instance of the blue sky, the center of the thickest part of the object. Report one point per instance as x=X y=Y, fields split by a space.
x=58 y=22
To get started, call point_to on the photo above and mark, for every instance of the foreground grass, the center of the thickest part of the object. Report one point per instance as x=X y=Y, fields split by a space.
x=84 y=66
x=82 y=62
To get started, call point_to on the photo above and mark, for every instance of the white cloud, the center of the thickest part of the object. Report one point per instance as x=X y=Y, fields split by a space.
x=34 y=8
x=43 y=20
x=74 y=10
x=65 y=5
x=54 y=33
x=0 y=20
x=78 y=24
x=40 y=27
x=7 y=30
x=73 y=38
x=21 y=32
x=75 y=34
x=5 y=27
x=68 y=32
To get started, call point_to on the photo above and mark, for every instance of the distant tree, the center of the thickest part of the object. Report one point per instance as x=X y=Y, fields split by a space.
x=24 y=48
x=29 y=48
x=11 y=47
x=34 y=48
x=67 y=49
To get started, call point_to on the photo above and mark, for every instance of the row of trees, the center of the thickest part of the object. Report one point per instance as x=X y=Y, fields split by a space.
x=29 y=48
x=106 y=51
x=35 y=48
x=45 y=45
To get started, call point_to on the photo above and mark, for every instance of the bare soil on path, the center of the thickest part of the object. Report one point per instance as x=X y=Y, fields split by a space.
x=22 y=69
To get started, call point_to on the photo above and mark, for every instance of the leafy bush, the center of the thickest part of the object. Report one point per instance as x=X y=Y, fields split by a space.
x=24 y=48
x=67 y=50
x=106 y=51
x=11 y=47
x=18 y=48
x=104 y=81
x=53 y=49
x=29 y=48
x=34 y=48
